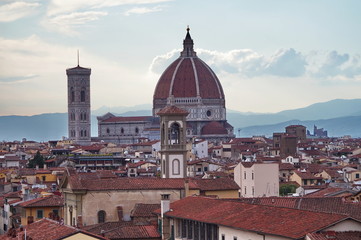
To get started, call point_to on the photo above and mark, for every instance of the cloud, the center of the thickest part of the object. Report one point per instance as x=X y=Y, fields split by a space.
x=65 y=6
x=68 y=22
x=246 y=62
x=286 y=63
x=17 y=79
x=142 y=10
x=16 y=10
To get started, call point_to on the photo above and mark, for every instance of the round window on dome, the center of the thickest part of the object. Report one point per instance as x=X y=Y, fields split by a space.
x=209 y=113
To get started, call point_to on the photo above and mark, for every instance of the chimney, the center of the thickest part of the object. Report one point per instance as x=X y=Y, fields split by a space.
x=186 y=187
x=164 y=203
x=120 y=213
x=79 y=221
x=165 y=222
x=45 y=167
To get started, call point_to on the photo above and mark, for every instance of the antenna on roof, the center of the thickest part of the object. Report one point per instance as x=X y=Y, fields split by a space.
x=78 y=57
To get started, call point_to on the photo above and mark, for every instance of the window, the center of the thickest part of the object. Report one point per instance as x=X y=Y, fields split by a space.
x=245 y=190
x=122 y=130
x=223 y=237
x=43 y=178
x=252 y=191
x=245 y=175
x=84 y=133
x=82 y=95
x=108 y=131
x=136 y=130
x=252 y=175
x=209 y=113
x=176 y=167
x=234 y=238
x=101 y=216
x=56 y=212
x=39 y=213
x=357 y=175
x=72 y=95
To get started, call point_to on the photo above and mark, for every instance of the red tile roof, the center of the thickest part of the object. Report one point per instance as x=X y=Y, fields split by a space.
x=144 y=210
x=213 y=128
x=172 y=110
x=46 y=229
x=291 y=223
x=150 y=183
x=320 y=204
x=327 y=235
x=51 y=201
x=129 y=119
x=134 y=232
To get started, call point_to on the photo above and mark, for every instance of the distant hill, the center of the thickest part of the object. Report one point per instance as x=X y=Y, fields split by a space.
x=339 y=117
x=336 y=127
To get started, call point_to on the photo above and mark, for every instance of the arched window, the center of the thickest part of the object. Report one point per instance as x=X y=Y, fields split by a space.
x=122 y=130
x=174 y=133
x=72 y=95
x=101 y=216
x=84 y=133
x=176 y=167
x=108 y=131
x=82 y=95
x=136 y=130
x=81 y=133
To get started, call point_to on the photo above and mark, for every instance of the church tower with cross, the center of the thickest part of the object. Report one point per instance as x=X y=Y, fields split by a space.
x=79 y=130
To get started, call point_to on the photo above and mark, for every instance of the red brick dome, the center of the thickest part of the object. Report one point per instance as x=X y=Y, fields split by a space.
x=188 y=77
x=213 y=128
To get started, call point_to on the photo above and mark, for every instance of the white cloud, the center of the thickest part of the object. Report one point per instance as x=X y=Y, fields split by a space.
x=142 y=10
x=68 y=22
x=288 y=63
x=33 y=78
x=65 y=6
x=16 y=10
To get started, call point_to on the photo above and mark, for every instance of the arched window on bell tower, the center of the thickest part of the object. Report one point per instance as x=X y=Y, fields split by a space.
x=174 y=133
x=72 y=94
x=82 y=95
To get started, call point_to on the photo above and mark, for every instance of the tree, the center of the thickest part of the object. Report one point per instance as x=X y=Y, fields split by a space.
x=38 y=160
x=287 y=189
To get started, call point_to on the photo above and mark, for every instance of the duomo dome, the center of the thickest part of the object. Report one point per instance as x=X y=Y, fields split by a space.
x=190 y=84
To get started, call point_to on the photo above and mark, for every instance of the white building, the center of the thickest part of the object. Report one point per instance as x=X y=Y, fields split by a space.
x=257 y=179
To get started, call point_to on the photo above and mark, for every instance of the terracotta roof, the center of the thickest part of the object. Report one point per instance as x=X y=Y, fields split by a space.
x=306 y=175
x=46 y=229
x=144 y=210
x=172 y=110
x=150 y=183
x=287 y=222
x=286 y=166
x=124 y=230
x=134 y=232
x=51 y=201
x=213 y=128
x=320 y=204
x=327 y=235
x=129 y=119
x=187 y=78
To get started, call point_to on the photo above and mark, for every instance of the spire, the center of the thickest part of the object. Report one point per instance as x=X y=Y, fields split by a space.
x=188 y=46
x=78 y=57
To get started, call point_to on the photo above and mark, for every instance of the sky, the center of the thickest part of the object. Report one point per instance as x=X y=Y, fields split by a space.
x=269 y=55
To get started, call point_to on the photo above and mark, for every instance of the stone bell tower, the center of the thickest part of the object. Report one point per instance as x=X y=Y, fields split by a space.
x=79 y=105
x=173 y=142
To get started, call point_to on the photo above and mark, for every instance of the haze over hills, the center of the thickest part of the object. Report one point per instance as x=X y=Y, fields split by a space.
x=339 y=117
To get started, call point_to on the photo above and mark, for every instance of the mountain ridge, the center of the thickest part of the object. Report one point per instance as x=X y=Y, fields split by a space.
x=339 y=117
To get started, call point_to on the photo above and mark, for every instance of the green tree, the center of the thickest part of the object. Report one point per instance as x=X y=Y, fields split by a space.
x=285 y=189
x=37 y=160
